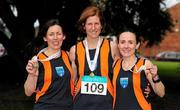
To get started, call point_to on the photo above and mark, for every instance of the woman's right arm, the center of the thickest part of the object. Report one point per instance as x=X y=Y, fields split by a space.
x=31 y=81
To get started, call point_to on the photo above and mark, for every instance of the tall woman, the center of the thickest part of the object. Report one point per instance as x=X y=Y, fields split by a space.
x=92 y=60
x=50 y=75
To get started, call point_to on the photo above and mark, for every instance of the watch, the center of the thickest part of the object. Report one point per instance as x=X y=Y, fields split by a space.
x=157 y=80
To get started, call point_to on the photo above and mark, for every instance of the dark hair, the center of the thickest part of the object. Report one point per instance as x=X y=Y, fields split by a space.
x=126 y=29
x=87 y=12
x=39 y=42
x=44 y=29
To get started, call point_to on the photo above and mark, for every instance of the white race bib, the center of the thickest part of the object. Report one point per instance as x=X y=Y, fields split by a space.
x=94 y=85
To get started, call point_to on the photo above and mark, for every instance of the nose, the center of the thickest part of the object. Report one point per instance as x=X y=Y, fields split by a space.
x=93 y=26
x=55 y=36
x=126 y=45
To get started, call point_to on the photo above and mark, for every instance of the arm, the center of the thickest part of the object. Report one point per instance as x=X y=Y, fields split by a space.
x=30 y=83
x=151 y=74
x=114 y=51
x=72 y=59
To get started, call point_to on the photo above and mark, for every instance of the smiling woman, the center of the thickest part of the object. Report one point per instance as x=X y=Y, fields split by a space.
x=132 y=74
x=50 y=75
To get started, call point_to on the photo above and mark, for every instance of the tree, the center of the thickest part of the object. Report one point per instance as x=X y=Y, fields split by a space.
x=23 y=40
x=145 y=16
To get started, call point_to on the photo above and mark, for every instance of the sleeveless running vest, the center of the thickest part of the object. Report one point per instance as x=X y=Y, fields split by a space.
x=55 y=86
x=129 y=87
x=104 y=66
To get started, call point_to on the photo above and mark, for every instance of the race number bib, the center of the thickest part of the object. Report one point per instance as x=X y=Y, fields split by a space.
x=94 y=85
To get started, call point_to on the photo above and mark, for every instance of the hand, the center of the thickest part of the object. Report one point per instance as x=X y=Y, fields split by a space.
x=31 y=67
x=75 y=90
x=147 y=91
x=152 y=70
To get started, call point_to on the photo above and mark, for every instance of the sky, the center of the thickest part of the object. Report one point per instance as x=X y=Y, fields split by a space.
x=171 y=3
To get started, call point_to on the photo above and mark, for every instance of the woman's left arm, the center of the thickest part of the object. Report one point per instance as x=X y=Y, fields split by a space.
x=153 y=77
x=114 y=50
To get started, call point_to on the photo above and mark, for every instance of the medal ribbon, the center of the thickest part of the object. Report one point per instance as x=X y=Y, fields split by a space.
x=56 y=54
x=92 y=63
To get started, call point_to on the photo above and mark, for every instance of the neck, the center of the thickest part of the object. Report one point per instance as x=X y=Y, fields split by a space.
x=92 y=42
x=129 y=62
x=129 y=59
x=51 y=51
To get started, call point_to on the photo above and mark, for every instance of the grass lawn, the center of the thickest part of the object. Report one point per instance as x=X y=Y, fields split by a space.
x=168 y=69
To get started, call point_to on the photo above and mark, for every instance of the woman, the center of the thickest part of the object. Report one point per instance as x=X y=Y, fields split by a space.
x=132 y=75
x=92 y=60
x=50 y=75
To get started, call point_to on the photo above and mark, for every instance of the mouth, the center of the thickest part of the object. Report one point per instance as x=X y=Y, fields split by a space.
x=125 y=51
x=55 y=43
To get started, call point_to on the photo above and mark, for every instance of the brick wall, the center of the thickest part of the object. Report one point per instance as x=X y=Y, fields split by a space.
x=171 y=41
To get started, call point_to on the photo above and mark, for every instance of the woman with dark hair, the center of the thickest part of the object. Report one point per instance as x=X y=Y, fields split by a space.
x=132 y=74
x=50 y=75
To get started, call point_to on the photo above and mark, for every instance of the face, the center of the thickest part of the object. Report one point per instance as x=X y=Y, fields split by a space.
x=54 y=37
x=93 y=26
x=127 y=44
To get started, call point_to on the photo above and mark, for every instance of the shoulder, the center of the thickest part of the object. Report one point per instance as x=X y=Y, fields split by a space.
x=113 y=44
x=117 y=61
x=72 y=48
x=72 y=52
x=114 y=49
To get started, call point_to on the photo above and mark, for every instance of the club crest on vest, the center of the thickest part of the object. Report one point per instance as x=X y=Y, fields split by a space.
x=124 y=82
x=60 y=71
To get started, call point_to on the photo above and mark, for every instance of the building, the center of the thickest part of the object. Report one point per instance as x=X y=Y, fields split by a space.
x=171 y=41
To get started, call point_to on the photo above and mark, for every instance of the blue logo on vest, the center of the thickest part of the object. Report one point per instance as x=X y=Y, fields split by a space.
x=124 y=82
x=60 y=71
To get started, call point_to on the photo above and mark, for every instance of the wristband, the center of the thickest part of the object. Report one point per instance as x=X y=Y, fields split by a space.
x=157 y=80
x=155 y=76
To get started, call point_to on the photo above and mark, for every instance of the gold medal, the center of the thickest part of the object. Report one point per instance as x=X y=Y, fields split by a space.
x=91 y=74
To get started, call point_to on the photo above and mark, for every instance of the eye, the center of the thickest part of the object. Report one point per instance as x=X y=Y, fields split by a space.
x=131 y=42
x=89 y=24
x=51 y=34
x=122 y=42
x=97 y=23
x=59 y=33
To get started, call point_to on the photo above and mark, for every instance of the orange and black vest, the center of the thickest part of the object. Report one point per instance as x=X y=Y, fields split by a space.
x=103 y=69
x=52 y=87
x=129 y=94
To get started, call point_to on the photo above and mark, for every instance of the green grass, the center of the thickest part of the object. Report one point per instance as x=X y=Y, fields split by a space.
x=168 y=68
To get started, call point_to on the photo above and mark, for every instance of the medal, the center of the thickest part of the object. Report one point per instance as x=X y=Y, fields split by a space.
x=91 y=74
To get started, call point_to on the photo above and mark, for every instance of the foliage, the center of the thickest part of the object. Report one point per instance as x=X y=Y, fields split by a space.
x=144 y=16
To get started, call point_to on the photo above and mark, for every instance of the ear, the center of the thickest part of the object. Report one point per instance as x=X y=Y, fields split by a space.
x=137 y=45
x=64 y=37
x=83 y=25
x=44 y=38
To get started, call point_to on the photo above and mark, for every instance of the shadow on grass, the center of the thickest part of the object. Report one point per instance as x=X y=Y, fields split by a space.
x=171 y=100
x=12 y=97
